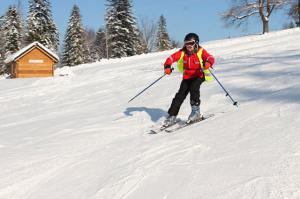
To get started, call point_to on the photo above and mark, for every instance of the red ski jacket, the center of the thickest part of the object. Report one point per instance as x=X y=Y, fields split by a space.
x=191 y=63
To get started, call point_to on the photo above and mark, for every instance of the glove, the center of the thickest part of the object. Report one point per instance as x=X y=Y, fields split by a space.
x=207 y=65
x=168 y=70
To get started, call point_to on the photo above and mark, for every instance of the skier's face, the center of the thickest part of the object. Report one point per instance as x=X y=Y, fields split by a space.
x=190 y=45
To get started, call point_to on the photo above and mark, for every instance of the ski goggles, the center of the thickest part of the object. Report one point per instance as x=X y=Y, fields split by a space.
x=189 y=43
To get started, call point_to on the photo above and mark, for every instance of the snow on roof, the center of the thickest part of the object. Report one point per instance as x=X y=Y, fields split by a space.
x=19 y=53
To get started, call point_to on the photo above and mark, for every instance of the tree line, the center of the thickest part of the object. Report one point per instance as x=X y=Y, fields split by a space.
x=121 y=36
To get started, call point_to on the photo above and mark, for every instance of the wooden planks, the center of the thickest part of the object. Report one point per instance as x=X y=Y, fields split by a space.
x=35 y=63
x=23 y=75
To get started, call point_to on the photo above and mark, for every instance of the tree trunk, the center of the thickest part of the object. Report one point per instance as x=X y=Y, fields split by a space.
x=298 y=13
x=265 y=17
x=265 y=26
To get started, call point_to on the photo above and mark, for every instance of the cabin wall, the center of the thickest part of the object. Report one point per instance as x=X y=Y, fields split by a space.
x=12 y=68
x=34 y=64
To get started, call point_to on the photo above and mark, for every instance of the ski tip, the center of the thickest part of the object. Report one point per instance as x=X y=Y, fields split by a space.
x=151 y=132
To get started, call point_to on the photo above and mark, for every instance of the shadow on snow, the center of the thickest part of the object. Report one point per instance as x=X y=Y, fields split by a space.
x=154 y=113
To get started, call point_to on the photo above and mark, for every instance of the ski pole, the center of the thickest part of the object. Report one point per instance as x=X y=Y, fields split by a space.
x=227 y=94
x=146 y=88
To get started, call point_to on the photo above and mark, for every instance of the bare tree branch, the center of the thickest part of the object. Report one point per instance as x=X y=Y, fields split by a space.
x=241 y=10
x=148 y=30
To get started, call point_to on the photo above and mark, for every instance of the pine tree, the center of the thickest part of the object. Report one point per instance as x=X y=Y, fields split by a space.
x=75 y=45
x=294 y=13
x=122 y=33
x=40 y=25
x=89 y=38
x=129 y=22
x=113 y=28
x=99 y=47
x=1 y=45
x=163 y=41
x=11 y=33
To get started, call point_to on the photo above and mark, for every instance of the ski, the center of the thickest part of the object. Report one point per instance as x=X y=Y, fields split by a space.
x=187 y=123
x=163 y=128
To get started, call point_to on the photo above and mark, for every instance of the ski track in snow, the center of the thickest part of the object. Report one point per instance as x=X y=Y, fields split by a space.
x=75 y=136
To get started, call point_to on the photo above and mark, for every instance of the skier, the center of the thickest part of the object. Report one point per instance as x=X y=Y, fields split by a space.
x=194 y=61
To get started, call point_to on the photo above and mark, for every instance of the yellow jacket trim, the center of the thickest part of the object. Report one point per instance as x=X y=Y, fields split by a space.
x=207 y=74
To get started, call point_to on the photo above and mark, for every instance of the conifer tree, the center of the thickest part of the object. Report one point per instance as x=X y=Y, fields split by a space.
x=129 y=22
x=75 y=46
x=1 y=45
x=99 y=46
x=163 y=41
x=122 y=33
x=89 y=38
x=11 y=33
x=40 y=25
x=294 y=12
x=113 y=28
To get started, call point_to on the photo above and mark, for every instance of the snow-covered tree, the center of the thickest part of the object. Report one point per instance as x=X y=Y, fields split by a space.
x=11 y=33
x=1 y=45
x=12 y=30
x=241 y=10
x=294 y=12
x=113 y=28
x=75 y=44
x=163 y=41
x=40 y=25
x=89 y=39
x=99 y=50
x=122 y=32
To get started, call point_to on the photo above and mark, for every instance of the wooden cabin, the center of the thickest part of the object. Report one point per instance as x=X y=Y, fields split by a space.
x=34 y=60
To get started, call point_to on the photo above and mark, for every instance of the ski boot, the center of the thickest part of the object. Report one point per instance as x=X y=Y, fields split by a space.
x=169 y=121
x=195 y=115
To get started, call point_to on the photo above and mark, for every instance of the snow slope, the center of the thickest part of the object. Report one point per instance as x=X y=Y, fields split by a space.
x=75 y=136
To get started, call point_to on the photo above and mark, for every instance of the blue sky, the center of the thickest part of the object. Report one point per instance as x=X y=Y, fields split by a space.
x=200 y=16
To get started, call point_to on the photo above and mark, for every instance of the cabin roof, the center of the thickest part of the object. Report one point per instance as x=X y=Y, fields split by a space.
x=23 y=51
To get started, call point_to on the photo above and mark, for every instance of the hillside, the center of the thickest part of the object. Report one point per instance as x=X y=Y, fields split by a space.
x=75 y=136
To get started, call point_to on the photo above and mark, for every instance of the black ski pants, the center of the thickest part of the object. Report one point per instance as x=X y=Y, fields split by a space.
x=187 y=86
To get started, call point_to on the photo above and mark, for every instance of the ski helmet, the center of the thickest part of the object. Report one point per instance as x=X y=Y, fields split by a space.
x=191 y=36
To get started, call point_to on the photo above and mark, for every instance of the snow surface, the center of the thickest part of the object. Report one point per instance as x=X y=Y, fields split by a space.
x=75 y=136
